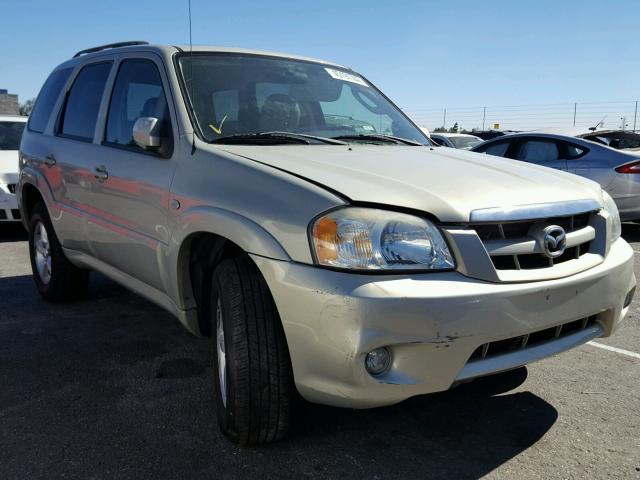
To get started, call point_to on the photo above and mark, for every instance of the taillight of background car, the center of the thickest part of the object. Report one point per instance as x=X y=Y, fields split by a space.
x=633 y=167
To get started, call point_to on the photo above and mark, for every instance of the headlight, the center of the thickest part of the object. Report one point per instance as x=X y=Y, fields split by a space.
x=614 y=226
x=370 y=239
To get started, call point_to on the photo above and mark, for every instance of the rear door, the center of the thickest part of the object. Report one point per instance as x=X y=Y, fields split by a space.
x=578 y=158
x=69 y=156
x=129 y=226
x=541 y=151
x=595 y=162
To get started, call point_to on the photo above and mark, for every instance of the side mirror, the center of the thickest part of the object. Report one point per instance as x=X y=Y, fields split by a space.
x=146 y=133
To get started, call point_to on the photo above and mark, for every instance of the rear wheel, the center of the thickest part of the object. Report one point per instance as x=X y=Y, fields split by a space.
x=56 y=278
x=254 y=384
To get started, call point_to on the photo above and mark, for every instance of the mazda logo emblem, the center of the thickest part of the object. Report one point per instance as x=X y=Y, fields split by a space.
x=554 y=241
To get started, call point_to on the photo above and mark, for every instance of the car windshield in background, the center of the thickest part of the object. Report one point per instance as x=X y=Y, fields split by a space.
x=10 y=134
x=619 y=140
x=465 y=143
x=239 y=95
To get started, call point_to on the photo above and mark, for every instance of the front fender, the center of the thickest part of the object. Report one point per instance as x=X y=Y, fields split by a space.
x=242 y=231
x=245 y=233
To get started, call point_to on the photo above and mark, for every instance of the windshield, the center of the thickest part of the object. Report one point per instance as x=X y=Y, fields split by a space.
x=618 y=140
x=465 y=143
x=235 y=94
x=10 y=134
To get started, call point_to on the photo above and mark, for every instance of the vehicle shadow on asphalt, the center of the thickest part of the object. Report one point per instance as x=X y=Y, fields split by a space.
x=631 y=232
x=12 y=232
x=463 y=433
x=112 y=386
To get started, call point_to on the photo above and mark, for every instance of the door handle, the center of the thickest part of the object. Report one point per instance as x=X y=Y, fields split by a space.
x=101 y=173
x=50 y=160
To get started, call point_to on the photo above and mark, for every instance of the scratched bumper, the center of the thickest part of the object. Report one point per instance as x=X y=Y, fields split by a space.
x=432 y=323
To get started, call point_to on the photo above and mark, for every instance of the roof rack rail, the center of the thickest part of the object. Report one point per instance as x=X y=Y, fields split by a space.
x=110 y=45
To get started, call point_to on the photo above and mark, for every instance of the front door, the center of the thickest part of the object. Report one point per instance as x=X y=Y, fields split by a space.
x=128 y=228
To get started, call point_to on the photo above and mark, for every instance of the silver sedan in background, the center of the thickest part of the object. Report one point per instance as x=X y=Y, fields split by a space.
x=456 y=140
x=617 y=170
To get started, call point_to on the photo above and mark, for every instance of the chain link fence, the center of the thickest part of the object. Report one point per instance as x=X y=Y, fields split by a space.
x=611 y=115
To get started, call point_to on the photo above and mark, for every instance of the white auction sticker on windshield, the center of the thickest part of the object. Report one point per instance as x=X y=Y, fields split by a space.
x=346 y=76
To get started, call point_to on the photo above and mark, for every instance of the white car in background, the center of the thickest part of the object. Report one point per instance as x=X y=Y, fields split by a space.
x=456 y=140
x=11 y=127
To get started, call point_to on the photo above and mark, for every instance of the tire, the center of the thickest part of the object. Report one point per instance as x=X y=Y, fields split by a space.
x=255 y=391
x=56 y=278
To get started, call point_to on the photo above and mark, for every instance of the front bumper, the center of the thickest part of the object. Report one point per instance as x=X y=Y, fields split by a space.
x=432 y=323
x=8 y=207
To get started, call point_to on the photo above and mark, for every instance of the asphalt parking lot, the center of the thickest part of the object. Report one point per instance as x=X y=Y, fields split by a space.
x=113 y=387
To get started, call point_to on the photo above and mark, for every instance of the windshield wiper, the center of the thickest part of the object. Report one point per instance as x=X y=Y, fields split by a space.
x=273 y=138
x=330 y=141
x=379 y=138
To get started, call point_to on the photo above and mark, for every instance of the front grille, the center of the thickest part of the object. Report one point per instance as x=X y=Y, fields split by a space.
x=499 y=237
x=16 y=213
x=507 y=345
x=492 y=231
x=3 y=215
x=12 y=188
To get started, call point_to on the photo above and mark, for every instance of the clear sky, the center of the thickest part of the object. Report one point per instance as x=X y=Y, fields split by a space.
x=425 y=55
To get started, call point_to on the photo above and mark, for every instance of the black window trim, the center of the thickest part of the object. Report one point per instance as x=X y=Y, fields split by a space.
x=63 y=108
x=133 y=148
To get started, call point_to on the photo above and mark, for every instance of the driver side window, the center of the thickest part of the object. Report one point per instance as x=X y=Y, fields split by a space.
x=137 y=92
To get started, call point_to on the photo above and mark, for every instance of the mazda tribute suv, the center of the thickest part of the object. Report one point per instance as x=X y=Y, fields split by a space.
x=285 y=208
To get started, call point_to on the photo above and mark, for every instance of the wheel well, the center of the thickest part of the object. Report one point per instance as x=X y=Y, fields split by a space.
x=200 y=254
x=30 y=196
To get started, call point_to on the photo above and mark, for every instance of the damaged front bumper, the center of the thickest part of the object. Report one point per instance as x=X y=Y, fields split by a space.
x=437 y=326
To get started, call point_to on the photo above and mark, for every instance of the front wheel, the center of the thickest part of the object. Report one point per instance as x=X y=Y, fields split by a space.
x=252 y=366
x=56 y=278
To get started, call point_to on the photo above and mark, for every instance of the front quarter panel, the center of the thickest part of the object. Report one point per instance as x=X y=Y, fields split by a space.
x=265 y=211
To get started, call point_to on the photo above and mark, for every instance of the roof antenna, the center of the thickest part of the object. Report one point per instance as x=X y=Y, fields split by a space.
x=593 y=129
x=193 y=144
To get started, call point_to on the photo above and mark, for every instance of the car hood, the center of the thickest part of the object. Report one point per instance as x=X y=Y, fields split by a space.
x=8 y=166
x=444 y=182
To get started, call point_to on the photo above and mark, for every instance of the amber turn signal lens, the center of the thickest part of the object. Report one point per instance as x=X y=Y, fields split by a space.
x=325 y=234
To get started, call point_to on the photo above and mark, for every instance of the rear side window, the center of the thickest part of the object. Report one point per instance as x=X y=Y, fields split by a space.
x=499 y=149
x=83 y=102
x=570 y=151
x=47 y=98
x=539 y=151
x=137 y=93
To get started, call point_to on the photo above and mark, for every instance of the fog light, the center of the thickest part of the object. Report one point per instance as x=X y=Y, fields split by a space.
x=378 y=361
x=629 y=297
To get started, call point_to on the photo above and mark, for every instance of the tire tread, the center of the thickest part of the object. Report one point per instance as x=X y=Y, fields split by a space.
x=260 y=399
